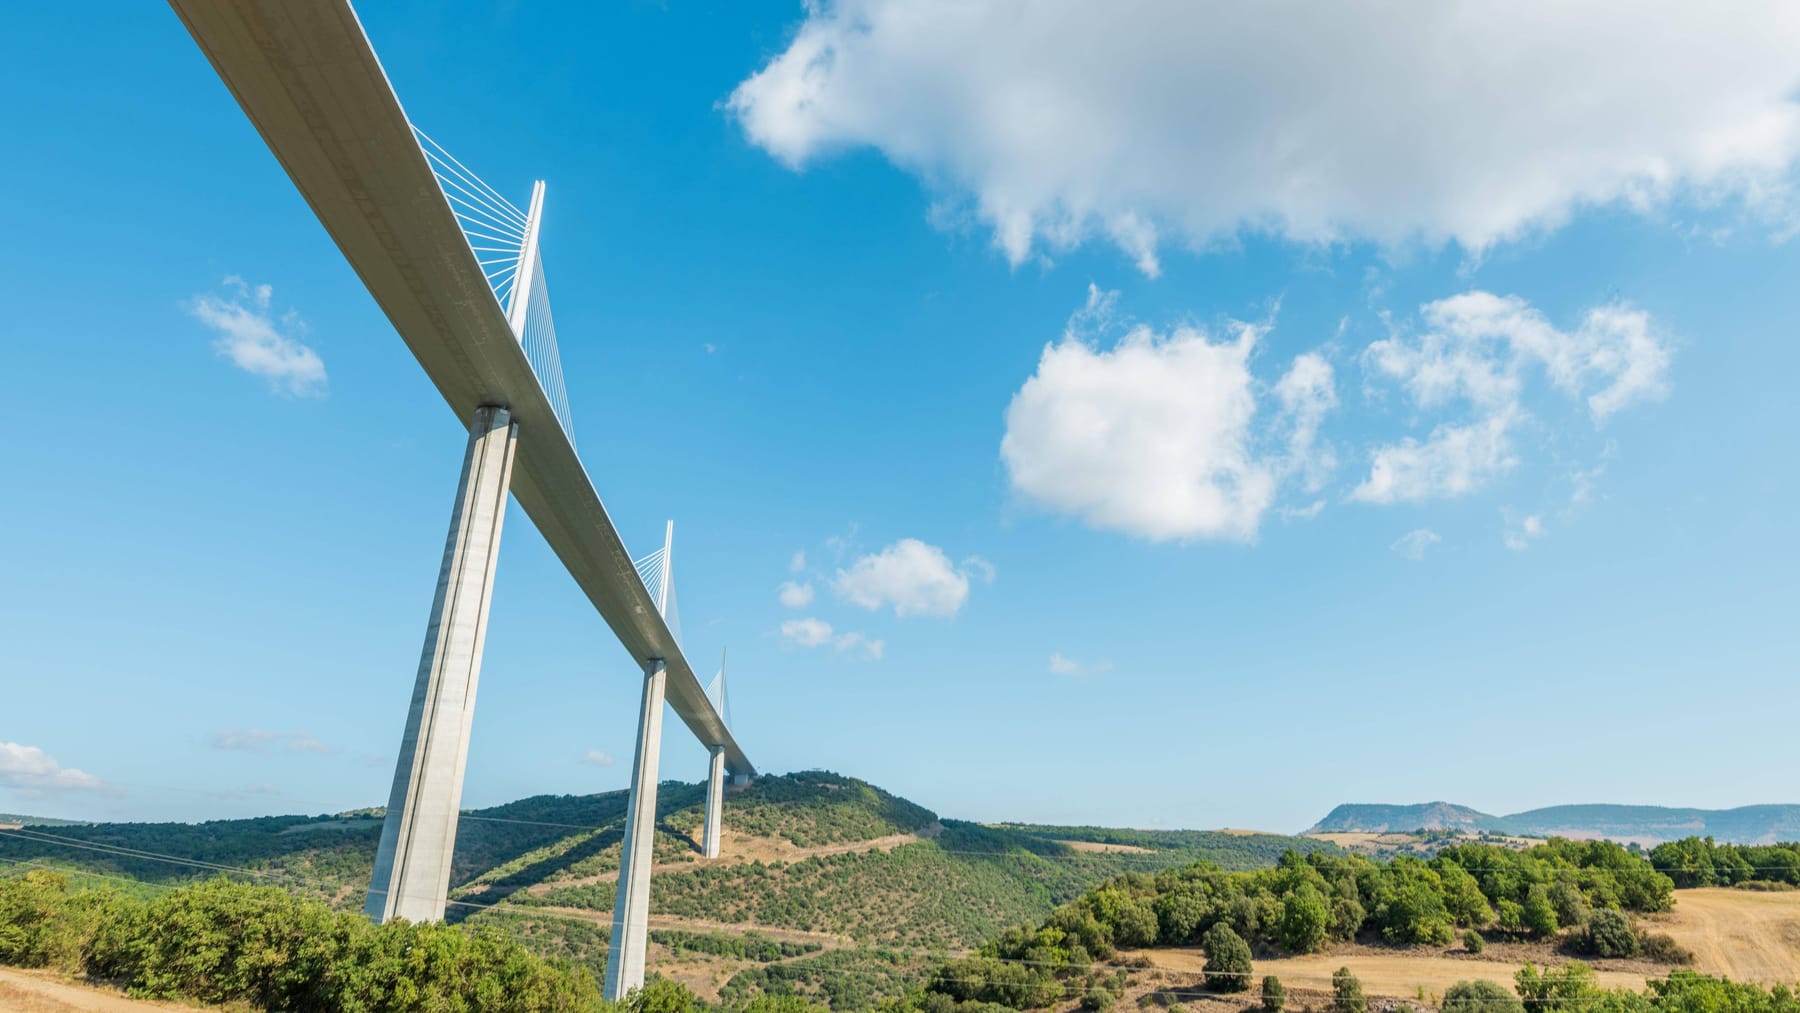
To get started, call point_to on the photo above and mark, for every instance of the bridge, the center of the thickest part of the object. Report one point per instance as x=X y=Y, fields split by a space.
x=457 y=268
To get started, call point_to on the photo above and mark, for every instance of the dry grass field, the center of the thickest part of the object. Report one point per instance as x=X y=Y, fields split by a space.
x=1745 y=935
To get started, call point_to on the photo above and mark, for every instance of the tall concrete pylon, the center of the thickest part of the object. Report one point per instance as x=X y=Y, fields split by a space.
x=412 y=862
x=715 y=802
x=631 y=906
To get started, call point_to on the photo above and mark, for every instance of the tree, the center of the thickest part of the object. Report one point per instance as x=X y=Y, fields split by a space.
x=1572 y=988
x=1480 y=997
x=1539 y=915
x=1473 y=942
x=1609 y=934
x=1305 y=922
x=1347 y=993
x=1227 y=967
x=1274 y=997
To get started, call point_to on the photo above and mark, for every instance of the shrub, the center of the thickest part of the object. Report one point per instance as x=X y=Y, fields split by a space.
x=1480 y=997
x=1227 y=967
x=1096 y=999
x=1663 y=949
x=1274 y=997
x=1347 y=993
x=1608 y=934
x=1473 y=942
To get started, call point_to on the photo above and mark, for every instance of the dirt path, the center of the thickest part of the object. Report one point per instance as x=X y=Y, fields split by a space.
x=738 y=850
x=828 y=940
x=1396 y=974
x=39 y=992
x=1746 y=935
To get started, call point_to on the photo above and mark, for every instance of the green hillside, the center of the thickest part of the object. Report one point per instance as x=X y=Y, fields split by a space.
x=828 y=885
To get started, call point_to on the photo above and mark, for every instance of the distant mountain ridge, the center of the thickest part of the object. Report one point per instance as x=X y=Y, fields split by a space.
x=1643 y=824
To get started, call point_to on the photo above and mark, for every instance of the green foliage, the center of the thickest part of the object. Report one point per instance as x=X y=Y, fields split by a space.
x=659 y=995
x=1608 y=934
x=1227 y=967
x=1305 y=923
x=1572 y=988
x=1347 y=993
x=1539 y=915
x=1663 y=949
x=1274 y=996
x=1697 y=861
x=221 y=942
x=1473 y=942
x=1480 y=997
x=843 y=979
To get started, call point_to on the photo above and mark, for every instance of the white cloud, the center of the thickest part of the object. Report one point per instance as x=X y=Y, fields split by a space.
x=795 y=595
x=1413 y=544
x=32 y=773
x=256 y=341
x=811 y=632
x=913 y=577
x=1155 y=436
x=1478 y=345
x=1062 y=664
x=851 y=641
x=807 y=632
x=1059 y=121
x=598 y=758
x=262 y=740
x=798 y=562
x=1452 y=461
x=1481 y=349
x=1518 y=537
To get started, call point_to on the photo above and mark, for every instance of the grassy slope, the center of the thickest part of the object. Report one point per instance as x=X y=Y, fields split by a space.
x=931 y=885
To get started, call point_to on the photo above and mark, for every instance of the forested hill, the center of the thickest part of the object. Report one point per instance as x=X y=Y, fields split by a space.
x=827 y=880
x=1358 y=818
x=1643 y=824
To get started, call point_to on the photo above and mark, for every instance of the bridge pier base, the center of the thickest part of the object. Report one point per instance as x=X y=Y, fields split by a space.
x=631 y=907
x=412 y=862
x=715 y=802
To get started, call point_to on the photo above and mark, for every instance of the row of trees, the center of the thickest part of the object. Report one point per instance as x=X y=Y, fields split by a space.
x=1697 y=861
x=228 y=943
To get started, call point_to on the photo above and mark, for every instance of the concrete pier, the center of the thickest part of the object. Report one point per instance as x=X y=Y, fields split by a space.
x=412 y=862
x=715 y=802
x=631 y=908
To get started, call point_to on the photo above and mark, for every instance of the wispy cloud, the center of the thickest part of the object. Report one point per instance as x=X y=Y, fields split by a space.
x=257 y=341
x=1062 y=664
x=1414 y=544
x=32 y=773
x=814 y=632
x=262 y=740
x=795 y=595
x=598 y=758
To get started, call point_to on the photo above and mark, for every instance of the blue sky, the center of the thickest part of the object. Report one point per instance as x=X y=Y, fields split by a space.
x=1166 y=437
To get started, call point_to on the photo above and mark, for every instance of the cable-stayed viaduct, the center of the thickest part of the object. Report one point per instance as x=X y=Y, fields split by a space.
x=456 y=267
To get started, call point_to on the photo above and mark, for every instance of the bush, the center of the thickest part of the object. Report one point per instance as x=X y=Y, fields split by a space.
x=1097 y=999
x=1608 y=934
x=1663 y=949
x=1480 y=997
x=1227 y=967
x=1473 y=942
x=1347 y=993
x=1274 y=997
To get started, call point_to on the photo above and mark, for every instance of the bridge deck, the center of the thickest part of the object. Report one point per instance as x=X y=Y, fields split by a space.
x=308 y=79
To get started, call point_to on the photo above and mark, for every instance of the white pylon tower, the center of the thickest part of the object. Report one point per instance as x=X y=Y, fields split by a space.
x=631 y=906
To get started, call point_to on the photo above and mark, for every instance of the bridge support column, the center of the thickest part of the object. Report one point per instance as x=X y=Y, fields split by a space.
x=715 y=802
x=412 y=862
x=631 y=907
